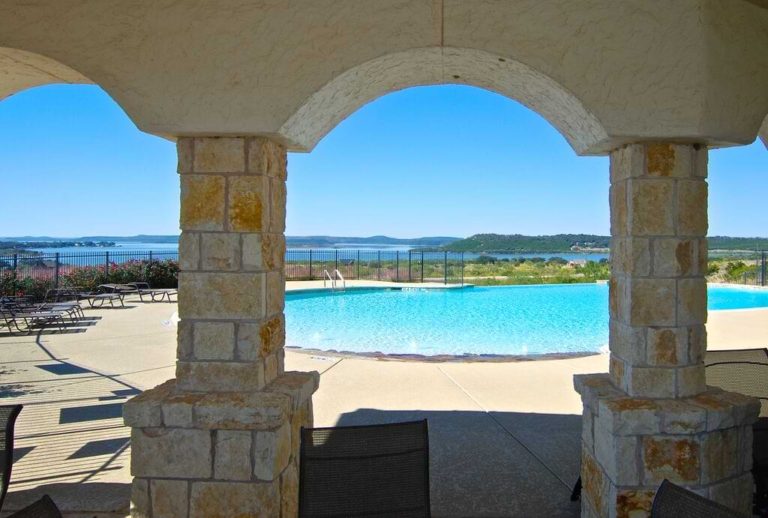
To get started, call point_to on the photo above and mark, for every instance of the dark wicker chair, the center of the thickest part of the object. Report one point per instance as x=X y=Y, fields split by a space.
x=8 y=415
x=378 y=470
x=43 y=508
x=673 y=501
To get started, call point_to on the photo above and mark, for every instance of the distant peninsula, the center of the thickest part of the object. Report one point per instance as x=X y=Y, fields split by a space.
x=518 y=243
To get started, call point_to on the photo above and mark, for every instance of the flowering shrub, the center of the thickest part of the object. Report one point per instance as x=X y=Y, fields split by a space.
x=159 y=274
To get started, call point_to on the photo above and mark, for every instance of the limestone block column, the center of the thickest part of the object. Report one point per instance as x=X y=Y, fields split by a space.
x=653 y=417
x=222 y=438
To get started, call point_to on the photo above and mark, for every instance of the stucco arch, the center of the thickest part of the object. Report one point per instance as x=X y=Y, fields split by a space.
x=347 y=92
x=20 y=70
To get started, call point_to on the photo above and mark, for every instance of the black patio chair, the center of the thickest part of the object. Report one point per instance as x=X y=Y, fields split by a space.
x=374 y=470
x=8 y=415
x=673 y=501
x=43 y=508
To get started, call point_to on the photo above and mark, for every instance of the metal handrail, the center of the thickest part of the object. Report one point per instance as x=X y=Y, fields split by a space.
x=328 y=277
x=343 y=282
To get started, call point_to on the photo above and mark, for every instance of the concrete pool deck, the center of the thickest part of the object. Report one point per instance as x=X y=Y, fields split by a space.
x=522 y=417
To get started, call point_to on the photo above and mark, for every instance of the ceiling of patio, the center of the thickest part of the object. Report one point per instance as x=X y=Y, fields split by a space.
x=603 y=73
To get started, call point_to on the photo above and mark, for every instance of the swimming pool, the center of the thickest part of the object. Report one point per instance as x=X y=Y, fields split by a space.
x=508 y=320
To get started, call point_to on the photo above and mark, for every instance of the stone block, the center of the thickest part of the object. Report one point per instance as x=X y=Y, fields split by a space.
x=170 y=453
x=220 y=252
x=675 y=257
x=178 y=410
x=298 y=386
x=595 y=485
x=627 y=162
x=681 y=417
x=277 y=197
x=275 y=292
x=618 y=204
x=232 y=458
x=271 y=367
x=632 y=503
x=628 y=342
x=691 y=301
x=169 y=498
x=234 y=499
x=242 y=411
x=651 y=382
x=202 y=202
x=667 y=346
x=676 y=458
x=143 y=411
x=221 y=295
x=248 y=204
x=697 y=343
x=214 y=340
x=628 y=416
x=253 y=257
x=219 y=376
x=588 y=430
x=651 y=302
x=219 y=155
x=271 y=452
x=289 y=491
x=692 y=208
x=273 y=251
x=651 y=209
x=184 y=339
x=700 y=160
x=593 y=388
x=266 y=157
x=669 y=160
x=301 y=418
x=691 y=380
x=617 y=455
x=185 y=155
x=140 y=506
x=719 y=411
x=260 y=340
x=189 y=251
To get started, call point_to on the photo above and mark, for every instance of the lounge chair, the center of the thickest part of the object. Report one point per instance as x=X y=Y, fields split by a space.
x=154 y=294
x=8 y=416
x=673 y=501
x=378 y=470
x=15 y=315
x=105 y=293
x=43 y=508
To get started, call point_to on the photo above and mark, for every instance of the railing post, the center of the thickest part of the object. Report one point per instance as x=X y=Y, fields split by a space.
x=762 y=269
x=310 y=264
x=336 y=263
x=357 y=276
x=410 y=279
x=106 y=263
x=15 y=263
x=378 y=267
x=422 y=266
x=462 y=268
x=56 y=270
x=445 y=267
x=397 y=266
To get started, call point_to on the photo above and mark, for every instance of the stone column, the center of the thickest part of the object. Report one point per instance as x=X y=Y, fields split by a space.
x=222 y=438
x=653 y=417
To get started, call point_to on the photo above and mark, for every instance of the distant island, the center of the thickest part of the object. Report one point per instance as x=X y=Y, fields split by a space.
x=518 y=243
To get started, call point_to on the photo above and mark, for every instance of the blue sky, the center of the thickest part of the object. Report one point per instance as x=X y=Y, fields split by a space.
x=447 y=160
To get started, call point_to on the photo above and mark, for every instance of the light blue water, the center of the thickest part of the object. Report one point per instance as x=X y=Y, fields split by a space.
x=514 y=320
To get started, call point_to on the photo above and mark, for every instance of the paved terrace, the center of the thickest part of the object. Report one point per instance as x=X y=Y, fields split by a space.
x=521 y=419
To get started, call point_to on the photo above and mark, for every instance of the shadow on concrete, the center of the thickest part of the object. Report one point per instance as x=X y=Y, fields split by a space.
x=96 y=499
x=497 y=464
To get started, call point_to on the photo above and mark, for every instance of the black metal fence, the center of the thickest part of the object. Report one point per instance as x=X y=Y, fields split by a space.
x=756 y=270
x=35 y=273
x=377 y=265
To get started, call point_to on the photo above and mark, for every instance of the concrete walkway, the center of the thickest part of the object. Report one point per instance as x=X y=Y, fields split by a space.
x=504 y=437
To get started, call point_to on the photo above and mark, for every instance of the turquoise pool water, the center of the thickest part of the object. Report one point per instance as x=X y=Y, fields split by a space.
x=509 y=320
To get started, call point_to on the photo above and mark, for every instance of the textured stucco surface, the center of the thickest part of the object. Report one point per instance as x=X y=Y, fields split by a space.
x=603 y=72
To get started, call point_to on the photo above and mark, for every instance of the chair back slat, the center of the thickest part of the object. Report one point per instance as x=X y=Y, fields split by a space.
x=672 y=501
x=378 y=470
x=8 y=415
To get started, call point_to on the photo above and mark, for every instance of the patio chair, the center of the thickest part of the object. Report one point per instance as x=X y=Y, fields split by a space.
x=43 y=508
x=8 y=415
x=374 y=470
x=154 y=294
x=673 y=501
